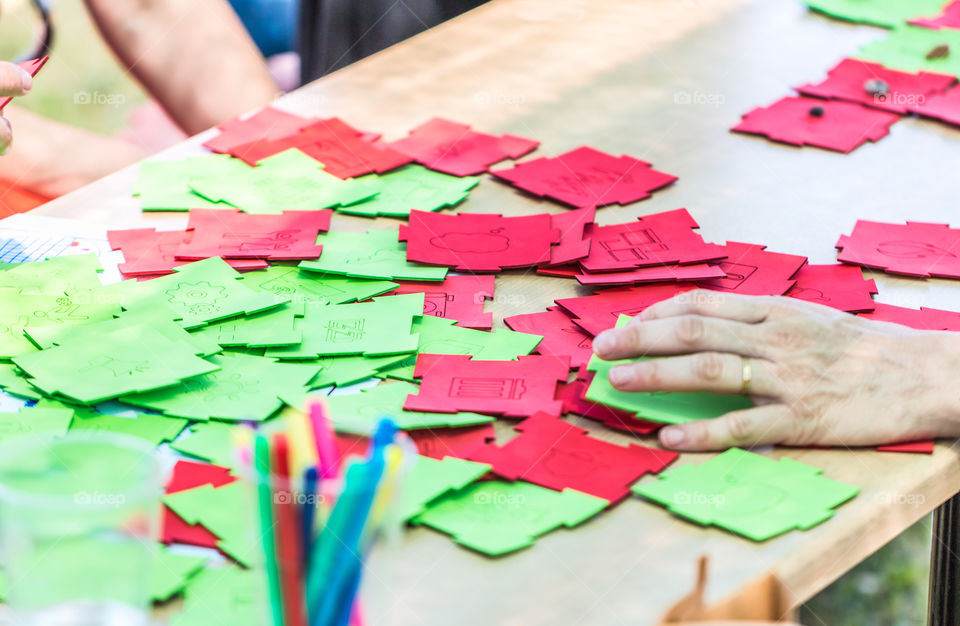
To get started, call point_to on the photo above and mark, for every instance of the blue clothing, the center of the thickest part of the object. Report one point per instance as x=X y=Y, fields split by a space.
x=271 y=23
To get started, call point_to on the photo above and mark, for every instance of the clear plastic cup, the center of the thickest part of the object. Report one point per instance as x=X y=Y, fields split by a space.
x=78 y=528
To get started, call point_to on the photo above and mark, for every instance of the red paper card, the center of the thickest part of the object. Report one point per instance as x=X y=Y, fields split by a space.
x=753 y=271
x=268 y=123
x=842 y=126
x=555 y=454
x=458 y=298
x=839 y=286
x=574 y=243
x=597 y=313
x=586 y=177
x=287 y=236
x=478 y=242
x=189 y=475
x=944 y=106
x=948 y=18
x=437 y=443
x=914 y=249
x=455 y=149
x=656 y=274
x=573 y=396
x=921 y=319
x=561 y=337
x=342 y=149
x=916 y=447
x=32 y=67
x=660 y=239
x=452 y=383
x=149 y=252
x=893 y=90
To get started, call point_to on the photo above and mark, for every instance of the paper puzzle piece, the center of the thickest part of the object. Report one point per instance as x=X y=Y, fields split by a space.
x=459 y=298
x=873 y=85
x=916 y=447
x=287 y=236
x=520 y=388
x=429 y=479
x=303 y=286
x=944 y=107
x=916 y=49
x=245 y=388
x=225 y=511
x=162 y=185
x=586 y=177
x=187 y=475
x=949 y=17
x=276 y=327
x=22 y=313
x=752 y=270
x=561 y=337
x=147 y=251
x=557 y=455
x=842 y=287
x=479 y=242
x=573 y=396
x=455 y=149
x=574 y=243
x=413 y=187
x=346 y=370
x=438 y=443
x=597 y=313
x=154 y=429
x=35 y=420
x=210 y=441
x=380 y=327
x=655 y=274
x=359 y=413
x=32 y=67
x=289 y=181
x=344 y=151
x=224 y=595
x=13 y=382
x=830 y=124
x=497 y=517
x=268 y=124
x=749 y=494
x=916 y=249
x=886 y=13
x=921 y=319
x=171 y=573
x=55 y=276
x=96 y=369
x=203 y=292
x=374 y=254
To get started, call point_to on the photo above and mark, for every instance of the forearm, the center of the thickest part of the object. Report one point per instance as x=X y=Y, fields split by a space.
x=193 y=56
x=51 y=159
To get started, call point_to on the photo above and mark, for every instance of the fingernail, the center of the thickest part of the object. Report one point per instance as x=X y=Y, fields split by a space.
x=604 y=342
x=26 y=80
x=672 y=437
x=620 y=375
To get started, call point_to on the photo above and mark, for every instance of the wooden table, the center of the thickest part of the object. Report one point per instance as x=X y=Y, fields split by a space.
x=661 y=80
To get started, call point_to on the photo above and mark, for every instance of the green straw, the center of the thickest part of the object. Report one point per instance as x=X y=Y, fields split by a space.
x=261 y=463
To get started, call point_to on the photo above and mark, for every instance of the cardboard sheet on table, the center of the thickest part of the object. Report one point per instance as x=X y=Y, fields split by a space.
x=304 y=286
x=460 y=298
x=918 y=249
x=749 y=494
x=451 y=383
x=375 y=254
x=438 y=443
x=907 y=48
x=162 y=185
x=413 y=187
x=754 y=271
x=842 y=287
x=21 y=314
x=456 y=149
x=479 y=242
x=289 y=181
x=949 y=17
x=555 y=454
x=147 y=251
x=32 y=67
x=267 y=124
x=245 y=388
x=944 y=107
x=430 y=479
x=849 y=78
x=486 y=516
x=599 y=312
x=843 y=126
x=216 y=509
x=573 y=396
x=561 y=337
x=287 y=236
x=586 y=177
x=574 y=243
x=922 y=319
x=886 y=13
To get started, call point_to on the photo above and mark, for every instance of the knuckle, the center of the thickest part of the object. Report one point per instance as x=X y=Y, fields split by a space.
x=738 y=425
x=708 y=366
x=690 y=329
x=651 y=373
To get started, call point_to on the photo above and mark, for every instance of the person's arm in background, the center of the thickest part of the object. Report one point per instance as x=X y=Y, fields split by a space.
x=193 y=56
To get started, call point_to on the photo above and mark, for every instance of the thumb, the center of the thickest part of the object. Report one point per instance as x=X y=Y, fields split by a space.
x=14 y=80
x=759 y=425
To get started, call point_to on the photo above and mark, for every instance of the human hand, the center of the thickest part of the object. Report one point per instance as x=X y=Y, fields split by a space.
x=819 y=376
x=14 y=81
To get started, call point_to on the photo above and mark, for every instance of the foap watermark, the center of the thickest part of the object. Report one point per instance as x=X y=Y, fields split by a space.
x=98 y=98
x=283 y=496
x=98 y=498
x=907 y=499
x=700 y=297
x=699 y=98
x=496 y=98
x=900 y=100
x=699 y=498
x=499 y=498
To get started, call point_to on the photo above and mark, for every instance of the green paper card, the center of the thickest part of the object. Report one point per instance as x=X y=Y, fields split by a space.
x=412 y=187
x=210 y=441
x=162 y=185
x=225 y=511
x=301 y=287
x=749 y=494
x=154 y=429
x=373 y=254
x=171 y=574
x=22 y=313
x=906 y=48
x=497 y=517
x=14 y=383
x=346 y=370
x=430 y=479
x=224 y=595
x=244 y=388
x=289 y=181
x=886 y=13
x=55 y=276
x=275 y=327
x=32 y=420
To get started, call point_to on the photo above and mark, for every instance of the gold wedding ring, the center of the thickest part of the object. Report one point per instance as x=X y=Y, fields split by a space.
x=747 y=376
